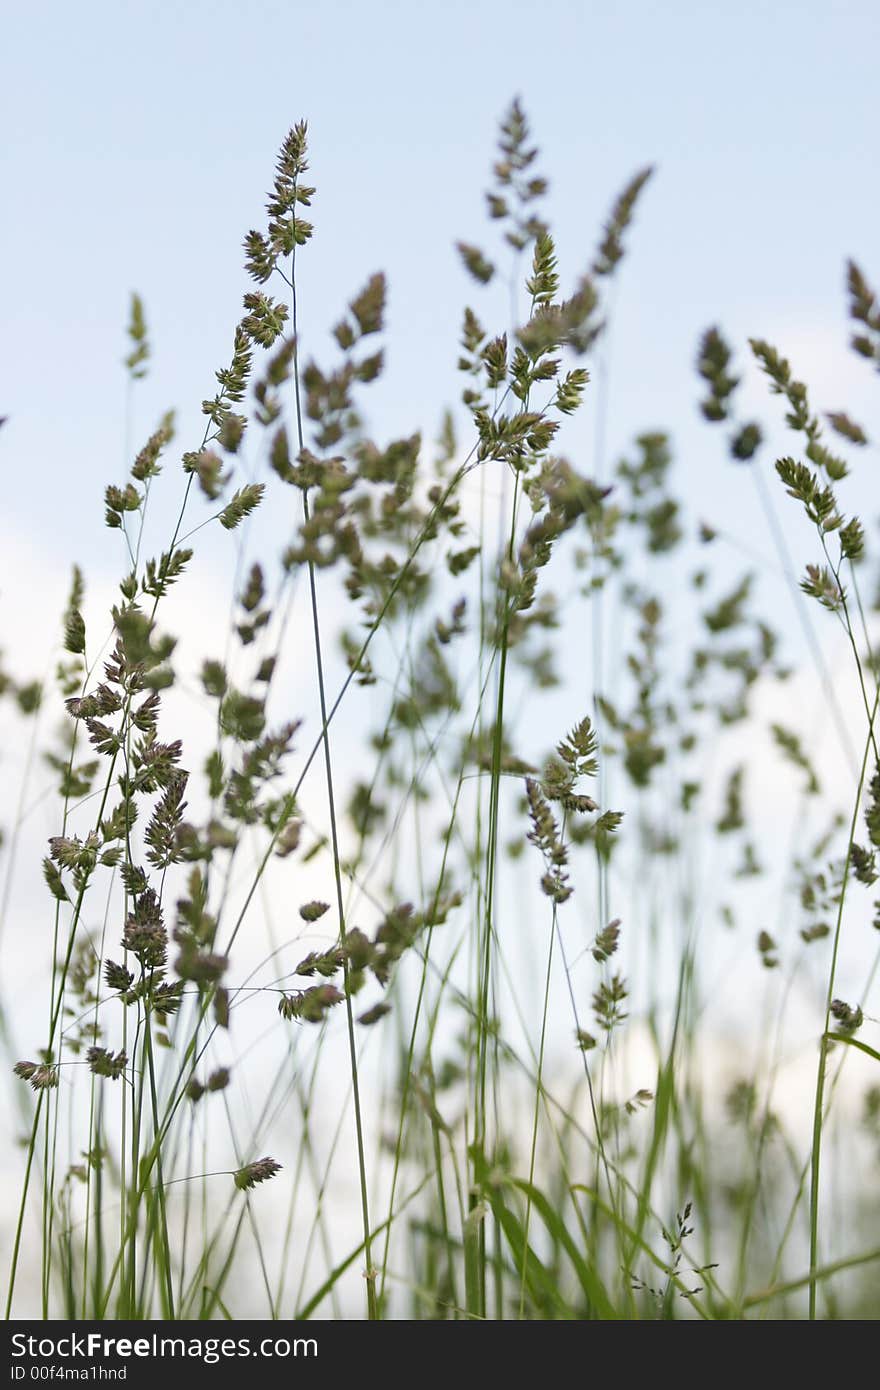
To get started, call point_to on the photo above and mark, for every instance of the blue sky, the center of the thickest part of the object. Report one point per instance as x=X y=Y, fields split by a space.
x=143 y=138
x=140 y=138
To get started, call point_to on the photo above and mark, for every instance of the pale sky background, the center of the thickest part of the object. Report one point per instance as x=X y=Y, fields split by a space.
x=139 y=141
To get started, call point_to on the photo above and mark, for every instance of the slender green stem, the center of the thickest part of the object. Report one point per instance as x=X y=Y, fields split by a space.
x=533 y=1149
x=372 y=1304
x=818 y=1110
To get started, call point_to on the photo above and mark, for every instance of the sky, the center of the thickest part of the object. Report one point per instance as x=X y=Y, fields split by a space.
x=143 y=139
x=140 y=139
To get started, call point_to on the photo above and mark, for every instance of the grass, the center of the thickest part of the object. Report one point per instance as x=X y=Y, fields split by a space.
x=389 y=986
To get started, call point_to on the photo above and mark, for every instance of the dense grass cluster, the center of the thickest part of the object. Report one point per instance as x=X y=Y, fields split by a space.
x=385 y=991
